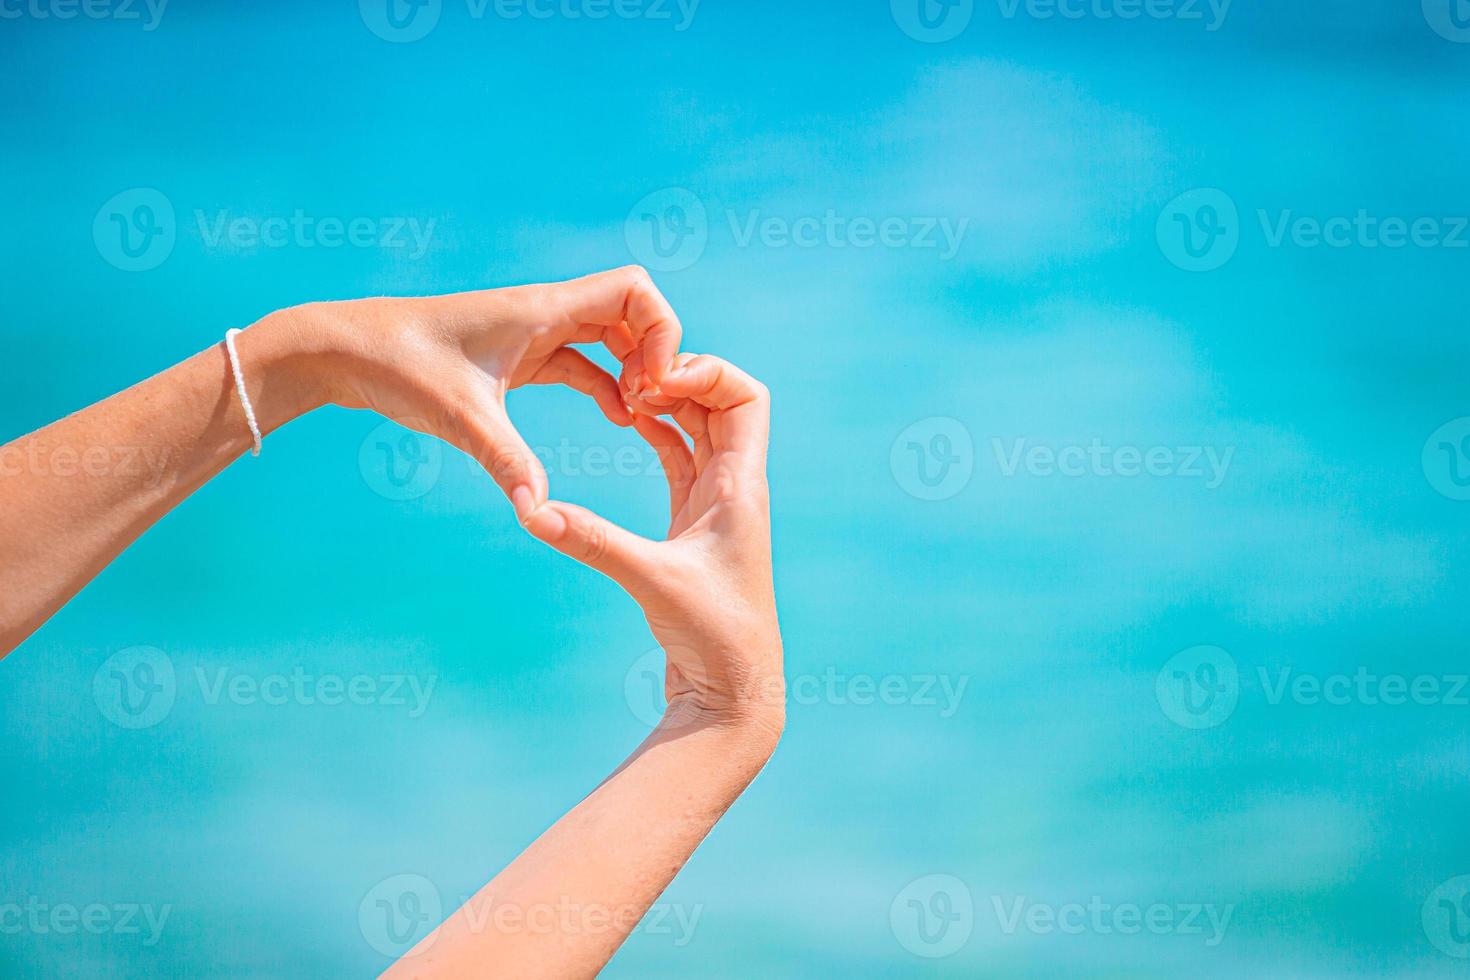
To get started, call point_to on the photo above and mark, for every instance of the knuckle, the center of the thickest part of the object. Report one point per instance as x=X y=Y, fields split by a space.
x=705 y=368
x=594 y=544
x=727 y=486
x=541 y=307
x=503 y=465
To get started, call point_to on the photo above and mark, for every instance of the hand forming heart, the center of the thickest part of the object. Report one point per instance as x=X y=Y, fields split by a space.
x=444 y=364
x=707 y=589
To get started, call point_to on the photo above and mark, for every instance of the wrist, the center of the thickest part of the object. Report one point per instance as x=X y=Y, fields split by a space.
x=283 y=361
x=752 y=723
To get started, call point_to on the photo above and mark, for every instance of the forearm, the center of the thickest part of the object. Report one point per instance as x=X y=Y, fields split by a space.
x=566 y=904
x=75 y=494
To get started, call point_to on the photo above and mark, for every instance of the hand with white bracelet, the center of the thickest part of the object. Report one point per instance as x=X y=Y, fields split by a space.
x=439 y=364
x=443 y=365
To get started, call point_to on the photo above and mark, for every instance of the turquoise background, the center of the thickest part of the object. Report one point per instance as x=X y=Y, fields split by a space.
x=1333 y=545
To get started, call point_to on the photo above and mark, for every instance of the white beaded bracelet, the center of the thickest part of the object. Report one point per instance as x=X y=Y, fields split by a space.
x=240 y=388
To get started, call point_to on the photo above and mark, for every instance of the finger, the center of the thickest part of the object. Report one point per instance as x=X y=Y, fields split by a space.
x=641 y=394
x=740 y=408
x=481 y=428
x=595 y=541
x=693 y=418
x=637 y=390
x=631 y=378
x=573 y=369
x=627 y=295
x=673 y=455
x=657 y=398
x=619 y=340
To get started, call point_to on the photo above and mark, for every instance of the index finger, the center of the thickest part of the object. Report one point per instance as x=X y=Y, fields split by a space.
x=739 y=406
x=626 y=295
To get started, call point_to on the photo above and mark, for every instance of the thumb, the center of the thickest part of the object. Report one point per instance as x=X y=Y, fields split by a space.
x=595 y=541
x=499 y=448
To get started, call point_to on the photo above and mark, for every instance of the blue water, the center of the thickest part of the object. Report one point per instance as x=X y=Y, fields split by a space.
x=1119 y=466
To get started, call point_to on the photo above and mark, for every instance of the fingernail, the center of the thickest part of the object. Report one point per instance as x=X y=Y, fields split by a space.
x=547 y=523
x=524 y=501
